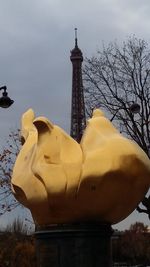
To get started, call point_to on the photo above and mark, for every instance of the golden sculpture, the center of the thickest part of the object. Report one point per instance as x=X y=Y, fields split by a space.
x=101 y=179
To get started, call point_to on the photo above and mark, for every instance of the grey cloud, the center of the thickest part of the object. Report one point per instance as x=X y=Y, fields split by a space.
x=35 y=42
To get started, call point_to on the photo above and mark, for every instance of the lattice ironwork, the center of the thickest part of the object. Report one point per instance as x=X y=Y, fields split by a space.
x=78 y=120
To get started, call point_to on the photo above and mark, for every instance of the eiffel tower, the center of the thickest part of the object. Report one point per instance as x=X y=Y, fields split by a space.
x=78 y=119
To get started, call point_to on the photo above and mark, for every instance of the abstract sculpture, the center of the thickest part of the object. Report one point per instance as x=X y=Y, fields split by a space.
x=61 y=181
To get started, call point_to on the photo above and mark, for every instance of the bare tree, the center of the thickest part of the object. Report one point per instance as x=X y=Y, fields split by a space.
x=7 y=160
x=117 y=80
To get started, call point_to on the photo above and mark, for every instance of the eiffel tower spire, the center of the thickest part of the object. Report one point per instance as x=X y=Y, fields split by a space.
x=78 y=120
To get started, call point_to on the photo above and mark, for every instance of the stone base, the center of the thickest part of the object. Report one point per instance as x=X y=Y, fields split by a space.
x=74 y=245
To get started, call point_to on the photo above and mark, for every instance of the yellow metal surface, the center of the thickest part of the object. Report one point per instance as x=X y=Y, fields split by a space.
x=101 y=179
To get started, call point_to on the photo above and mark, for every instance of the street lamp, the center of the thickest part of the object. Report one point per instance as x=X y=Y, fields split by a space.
x=5 y=100
x=134 y=109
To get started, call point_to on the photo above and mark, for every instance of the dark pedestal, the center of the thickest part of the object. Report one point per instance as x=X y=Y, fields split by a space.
x=76 y=245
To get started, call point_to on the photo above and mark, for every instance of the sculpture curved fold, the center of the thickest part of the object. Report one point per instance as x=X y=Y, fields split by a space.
x=101 y=179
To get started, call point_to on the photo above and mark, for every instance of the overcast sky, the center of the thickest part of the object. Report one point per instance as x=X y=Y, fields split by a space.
x=36 y=37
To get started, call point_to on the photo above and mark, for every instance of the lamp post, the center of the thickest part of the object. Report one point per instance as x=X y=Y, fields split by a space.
x=5 y=100
x=134 y=109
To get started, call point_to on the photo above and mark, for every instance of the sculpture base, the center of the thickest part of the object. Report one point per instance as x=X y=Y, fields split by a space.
x=74 y=245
